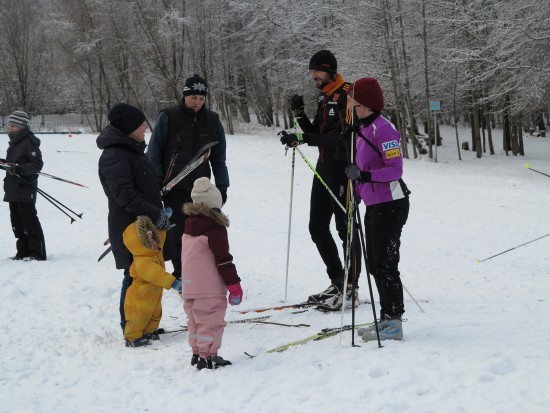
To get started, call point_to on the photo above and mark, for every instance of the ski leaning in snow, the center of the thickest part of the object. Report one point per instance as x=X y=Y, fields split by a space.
x=325 y=333
x=202 y=155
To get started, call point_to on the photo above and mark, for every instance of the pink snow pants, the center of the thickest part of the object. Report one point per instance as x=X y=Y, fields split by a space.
x=206 y=322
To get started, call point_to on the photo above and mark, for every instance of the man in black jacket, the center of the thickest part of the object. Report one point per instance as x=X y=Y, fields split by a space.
x=129 y=181
x=181 y=130
x=22 y=164
x=326 y=132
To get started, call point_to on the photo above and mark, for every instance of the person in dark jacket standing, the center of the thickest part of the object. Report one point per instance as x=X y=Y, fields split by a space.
x=377 y=175
x=180 y=131
x=23 y=163
x=129 y=181
x=326 y=132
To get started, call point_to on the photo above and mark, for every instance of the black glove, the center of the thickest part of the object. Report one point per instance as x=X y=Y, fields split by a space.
x=12 y=170
x=297 y=105
x=224 y=195
x=354 y=173
x=350 y=129
x=291 y=139
x=163 y=221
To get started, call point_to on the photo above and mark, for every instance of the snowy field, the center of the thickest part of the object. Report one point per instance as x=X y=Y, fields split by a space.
x=482 y=343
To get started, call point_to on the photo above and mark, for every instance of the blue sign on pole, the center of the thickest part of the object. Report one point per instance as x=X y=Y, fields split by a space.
x=435 y=105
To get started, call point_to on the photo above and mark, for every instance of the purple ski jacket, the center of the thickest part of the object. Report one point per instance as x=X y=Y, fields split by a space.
x=385 y=163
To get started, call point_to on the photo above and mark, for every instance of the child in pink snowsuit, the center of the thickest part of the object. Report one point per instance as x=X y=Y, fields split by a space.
x=207 y=273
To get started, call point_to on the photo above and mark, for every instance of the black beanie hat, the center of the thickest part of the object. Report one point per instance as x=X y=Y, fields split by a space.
x=323 y=60
x=195 y=85
x=125 y=117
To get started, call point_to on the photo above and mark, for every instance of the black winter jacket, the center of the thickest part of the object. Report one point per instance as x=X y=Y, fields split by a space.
x=24 y=149
x=129 y=182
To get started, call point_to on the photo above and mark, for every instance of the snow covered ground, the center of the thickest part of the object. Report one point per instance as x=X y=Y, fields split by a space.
x=481 y=344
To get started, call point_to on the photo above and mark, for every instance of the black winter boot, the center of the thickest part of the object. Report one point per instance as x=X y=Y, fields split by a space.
x=194 y=359
x=205 y=363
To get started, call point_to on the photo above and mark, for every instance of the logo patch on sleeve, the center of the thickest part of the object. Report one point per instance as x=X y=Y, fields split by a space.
x=386 y=146
x=393 y=153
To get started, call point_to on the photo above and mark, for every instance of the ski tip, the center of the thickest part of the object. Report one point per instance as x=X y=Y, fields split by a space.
x=249 y=355
x=527 y=165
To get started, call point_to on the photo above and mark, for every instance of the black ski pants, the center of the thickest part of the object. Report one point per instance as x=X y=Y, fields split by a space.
x=175 y=200
x=322 y=208
x=383 y=225
x=27 y=230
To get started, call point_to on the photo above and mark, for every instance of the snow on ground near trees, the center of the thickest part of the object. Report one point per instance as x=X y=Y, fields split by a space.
x=480 y=346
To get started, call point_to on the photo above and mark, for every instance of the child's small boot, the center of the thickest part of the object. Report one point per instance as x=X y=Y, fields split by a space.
x=219 y=361
x=205 y=363
x=194 y=359
x=138 y=342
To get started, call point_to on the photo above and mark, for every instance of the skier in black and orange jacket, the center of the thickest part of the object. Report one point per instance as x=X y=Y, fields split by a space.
x=326 y=132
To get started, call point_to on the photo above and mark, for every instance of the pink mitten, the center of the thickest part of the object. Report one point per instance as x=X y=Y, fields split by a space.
x=235 y=294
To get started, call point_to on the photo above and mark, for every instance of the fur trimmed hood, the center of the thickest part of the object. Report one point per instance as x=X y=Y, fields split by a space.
x=144 y=227
x=201 y=209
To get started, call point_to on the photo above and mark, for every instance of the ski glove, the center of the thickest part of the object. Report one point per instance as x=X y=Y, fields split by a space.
x=176 y=285
x=354 y=173
x=235 y=294
x=297 y=105
x=291 y=139
x=163 y=221
x=12 y=168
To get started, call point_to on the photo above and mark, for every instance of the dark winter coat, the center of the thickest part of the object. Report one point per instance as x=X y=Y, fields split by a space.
x=326 y=131
x=180 y=128
x=129 y=182
x=24 y=150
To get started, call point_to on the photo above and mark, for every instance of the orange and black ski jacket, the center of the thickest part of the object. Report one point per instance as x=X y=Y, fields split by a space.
x=326 y=131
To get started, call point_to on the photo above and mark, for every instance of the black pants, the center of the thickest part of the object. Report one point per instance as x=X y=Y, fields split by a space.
x=126 y=283
x=28 y=231
x=383 y=225
x=176 y=201
x=322 y=208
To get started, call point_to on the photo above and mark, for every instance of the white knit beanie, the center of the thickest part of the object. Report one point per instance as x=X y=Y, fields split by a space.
x=205 y=193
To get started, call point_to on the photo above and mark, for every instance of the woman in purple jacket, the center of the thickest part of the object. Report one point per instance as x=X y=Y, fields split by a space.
x=377 y=173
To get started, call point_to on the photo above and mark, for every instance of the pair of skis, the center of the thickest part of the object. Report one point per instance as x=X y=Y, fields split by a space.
x=321 y=335
x=201 y=156
x=253 y=320
x=306 y=305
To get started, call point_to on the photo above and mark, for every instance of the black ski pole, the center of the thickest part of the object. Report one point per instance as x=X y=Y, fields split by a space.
x=2 y=163
x=534 y=170
x=48 y=197
x=363 y=247
x=56 y=201
x=513 y=248
x=108 y=250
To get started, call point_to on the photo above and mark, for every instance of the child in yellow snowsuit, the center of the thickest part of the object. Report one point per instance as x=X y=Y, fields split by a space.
x=142 y=305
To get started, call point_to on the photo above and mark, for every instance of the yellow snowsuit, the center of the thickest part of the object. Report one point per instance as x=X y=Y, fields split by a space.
x=142 y=304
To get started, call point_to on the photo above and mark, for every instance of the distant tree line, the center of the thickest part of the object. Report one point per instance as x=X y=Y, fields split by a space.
x=486 y=61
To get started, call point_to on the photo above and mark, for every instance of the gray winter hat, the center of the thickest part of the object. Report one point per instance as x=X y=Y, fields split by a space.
x=205 y=193
x=19 y=119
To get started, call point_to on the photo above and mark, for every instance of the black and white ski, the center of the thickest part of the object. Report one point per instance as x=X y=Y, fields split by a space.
x=201 y=156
